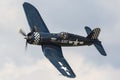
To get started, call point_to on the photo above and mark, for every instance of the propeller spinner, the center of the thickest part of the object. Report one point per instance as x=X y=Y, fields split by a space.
x=28 y=36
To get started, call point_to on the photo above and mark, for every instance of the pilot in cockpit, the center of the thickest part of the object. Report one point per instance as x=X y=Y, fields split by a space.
x=64 y=35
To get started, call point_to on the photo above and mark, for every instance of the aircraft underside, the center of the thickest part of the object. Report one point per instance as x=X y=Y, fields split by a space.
x=51 y=43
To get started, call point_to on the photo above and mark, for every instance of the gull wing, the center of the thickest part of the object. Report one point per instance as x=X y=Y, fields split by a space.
x=55 y=56
x=34 y=19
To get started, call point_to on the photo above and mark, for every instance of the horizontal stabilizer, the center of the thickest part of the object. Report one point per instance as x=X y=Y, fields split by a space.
x=88 y=30
x=100 y=48
x=93 y=36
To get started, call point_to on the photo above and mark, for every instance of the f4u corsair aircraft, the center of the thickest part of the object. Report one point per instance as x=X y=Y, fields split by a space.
x=51 y=42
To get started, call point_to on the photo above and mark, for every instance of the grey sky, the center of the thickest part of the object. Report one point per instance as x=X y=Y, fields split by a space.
x=60 y=15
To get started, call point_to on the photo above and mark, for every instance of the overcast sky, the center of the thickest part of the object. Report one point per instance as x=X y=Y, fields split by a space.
x=60 y=15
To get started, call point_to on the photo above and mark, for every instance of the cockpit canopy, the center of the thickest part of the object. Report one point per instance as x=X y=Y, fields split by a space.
x=64 y=35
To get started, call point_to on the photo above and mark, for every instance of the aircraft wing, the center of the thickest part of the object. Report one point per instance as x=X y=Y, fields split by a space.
x=34 y=18
x=55 y=56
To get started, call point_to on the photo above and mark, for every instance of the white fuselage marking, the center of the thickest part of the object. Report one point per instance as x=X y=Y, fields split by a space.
x=81 y=42
x=76 y=42
x=37 y=37
x=64 y=68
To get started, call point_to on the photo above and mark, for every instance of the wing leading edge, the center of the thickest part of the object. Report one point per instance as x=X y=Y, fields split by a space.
x=54 y=55
x=34 y=18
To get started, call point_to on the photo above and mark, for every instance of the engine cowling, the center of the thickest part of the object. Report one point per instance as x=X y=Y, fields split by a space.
x=33 y=38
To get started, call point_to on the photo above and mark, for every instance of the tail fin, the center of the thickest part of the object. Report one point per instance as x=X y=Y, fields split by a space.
x=93 y=34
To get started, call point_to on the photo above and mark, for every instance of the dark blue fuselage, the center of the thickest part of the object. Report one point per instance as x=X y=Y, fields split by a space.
x=62 y=39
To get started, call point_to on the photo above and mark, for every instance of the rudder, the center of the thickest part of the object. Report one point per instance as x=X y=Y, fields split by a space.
x=94 y=33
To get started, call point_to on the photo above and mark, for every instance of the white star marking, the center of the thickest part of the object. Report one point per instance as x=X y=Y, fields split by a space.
x=76 y=42
x=60 y=63
x=64 y=68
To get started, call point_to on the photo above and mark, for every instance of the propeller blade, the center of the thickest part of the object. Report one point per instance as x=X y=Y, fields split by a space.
x=26 y=37
x=35 y=29
x=26 y=45
x=22 y=32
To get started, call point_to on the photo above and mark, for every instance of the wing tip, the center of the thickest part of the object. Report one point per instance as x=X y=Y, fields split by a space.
x=104 y=54
x=25 y=4
x=74 y=76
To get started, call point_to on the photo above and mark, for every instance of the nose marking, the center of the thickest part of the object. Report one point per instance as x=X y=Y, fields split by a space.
x=36 y=37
